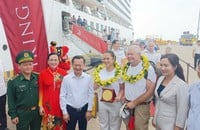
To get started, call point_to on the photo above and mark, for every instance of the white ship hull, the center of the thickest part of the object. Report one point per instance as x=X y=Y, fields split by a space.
x=52 y=11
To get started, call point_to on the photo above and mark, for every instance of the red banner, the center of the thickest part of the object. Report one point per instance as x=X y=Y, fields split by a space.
x=91 y=39
x=24 y=27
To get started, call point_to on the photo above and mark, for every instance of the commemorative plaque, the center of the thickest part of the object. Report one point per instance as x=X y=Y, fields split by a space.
x=108 y=95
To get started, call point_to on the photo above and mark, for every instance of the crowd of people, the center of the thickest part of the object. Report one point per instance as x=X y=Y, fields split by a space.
x=79 y=21
x=56 y=99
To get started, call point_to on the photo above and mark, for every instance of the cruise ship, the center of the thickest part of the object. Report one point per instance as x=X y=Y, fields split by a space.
x=100 y=15
x=109 y=15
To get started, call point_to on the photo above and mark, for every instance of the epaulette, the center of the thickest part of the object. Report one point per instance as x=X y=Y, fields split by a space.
x=14 y=77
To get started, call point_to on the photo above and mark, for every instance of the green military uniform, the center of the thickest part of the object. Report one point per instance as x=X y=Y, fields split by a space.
x=23 y=98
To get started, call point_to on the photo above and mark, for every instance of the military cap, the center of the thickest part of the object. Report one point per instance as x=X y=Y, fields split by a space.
x=24 y=56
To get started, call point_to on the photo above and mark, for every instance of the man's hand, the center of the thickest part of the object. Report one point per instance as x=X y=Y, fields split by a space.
x=66 y=117
x=88 y=115
x=15 y=120
x=130 y=105
x=42 y=112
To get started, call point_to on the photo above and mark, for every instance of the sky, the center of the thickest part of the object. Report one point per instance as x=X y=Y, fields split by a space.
x=166 y=19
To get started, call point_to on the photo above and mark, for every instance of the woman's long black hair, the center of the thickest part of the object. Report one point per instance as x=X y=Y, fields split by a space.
x=174 y=60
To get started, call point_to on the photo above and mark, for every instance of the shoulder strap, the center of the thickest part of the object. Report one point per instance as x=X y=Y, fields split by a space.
x=146 y=75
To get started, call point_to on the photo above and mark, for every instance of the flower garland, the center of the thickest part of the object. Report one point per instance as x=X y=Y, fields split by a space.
x=109 y=81
x=143 y=72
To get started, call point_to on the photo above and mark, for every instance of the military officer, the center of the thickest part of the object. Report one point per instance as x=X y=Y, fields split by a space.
x=23 y=94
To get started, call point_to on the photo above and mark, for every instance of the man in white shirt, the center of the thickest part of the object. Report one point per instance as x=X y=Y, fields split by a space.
x=152 y=55
x=119 y=52
x=3 y=119
x=76 y=96
x=139 y=89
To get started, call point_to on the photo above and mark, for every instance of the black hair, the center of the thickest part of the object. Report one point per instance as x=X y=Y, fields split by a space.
x=113 y=42
x=78 y=57
x=112 y=54
x=174 y=61
x=53 y=53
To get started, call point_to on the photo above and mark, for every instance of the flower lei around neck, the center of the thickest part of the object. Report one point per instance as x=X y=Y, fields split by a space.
x=109 y=81
x=143 y=72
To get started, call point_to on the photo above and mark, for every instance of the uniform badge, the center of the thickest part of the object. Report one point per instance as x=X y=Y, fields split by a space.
x=26 y=54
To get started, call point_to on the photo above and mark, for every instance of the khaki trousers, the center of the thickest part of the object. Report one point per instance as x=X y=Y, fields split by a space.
x=142 y=116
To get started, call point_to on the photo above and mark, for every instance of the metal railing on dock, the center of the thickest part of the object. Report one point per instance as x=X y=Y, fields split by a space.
x=188 y=66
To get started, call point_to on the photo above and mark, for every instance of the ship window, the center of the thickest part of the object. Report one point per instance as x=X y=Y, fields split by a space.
x=97 y=26
x=106 y=27
x=101 y=27
x=4 y=47
x=65 y=21
x=92 y=24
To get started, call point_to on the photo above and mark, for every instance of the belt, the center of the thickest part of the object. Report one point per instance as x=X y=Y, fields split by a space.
x=78 y=109
x=145 y=103
x=28 y=108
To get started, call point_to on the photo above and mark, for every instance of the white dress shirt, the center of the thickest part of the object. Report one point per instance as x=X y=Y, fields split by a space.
x=153 y=56
x=133 y=91
x=194 y=111
x=2 y=82
x=76 y=91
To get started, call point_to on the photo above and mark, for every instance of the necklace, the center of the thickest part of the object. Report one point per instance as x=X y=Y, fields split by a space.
x=56 y=77
x=109 y=81
x=143 y=72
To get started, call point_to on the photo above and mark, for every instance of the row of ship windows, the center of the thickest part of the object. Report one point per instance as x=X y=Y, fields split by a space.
x=92 y=26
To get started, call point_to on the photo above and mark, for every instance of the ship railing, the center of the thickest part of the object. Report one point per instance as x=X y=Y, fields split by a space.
x=188 y=68
x=94 y=12
x=92 y=30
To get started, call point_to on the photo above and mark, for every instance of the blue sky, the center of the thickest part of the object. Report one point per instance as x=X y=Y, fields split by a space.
x=165 y=18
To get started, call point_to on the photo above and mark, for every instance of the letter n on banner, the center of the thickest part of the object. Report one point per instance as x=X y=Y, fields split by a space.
x=23 y=22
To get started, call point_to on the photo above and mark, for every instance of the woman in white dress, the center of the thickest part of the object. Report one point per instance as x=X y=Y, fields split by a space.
x=107 y=76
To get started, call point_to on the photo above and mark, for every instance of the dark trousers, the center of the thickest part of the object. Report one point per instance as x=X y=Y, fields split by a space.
x=196 y=60
x=29 y=120
x=3 y=119
x=77 y=115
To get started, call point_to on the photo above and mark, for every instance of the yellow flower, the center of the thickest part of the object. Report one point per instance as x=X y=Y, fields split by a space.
x=143 y=72
x=109 y=81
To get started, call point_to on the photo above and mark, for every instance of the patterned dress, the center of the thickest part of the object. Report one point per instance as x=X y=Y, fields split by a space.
x=49 y=91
